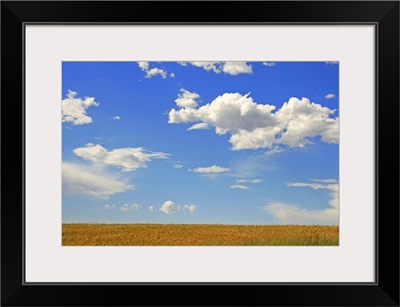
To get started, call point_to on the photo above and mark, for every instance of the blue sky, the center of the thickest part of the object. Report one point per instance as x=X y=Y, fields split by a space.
x=200 y=142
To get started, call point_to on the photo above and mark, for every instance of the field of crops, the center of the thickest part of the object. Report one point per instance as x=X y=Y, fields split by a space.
x=197 y=235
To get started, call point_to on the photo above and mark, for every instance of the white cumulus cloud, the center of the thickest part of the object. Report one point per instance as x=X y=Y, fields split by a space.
x=156 y=71
x=270 y=64
x=143 y=65
x=214 y=66
x=231 y=68
x=211 y=169
x=294 y=214
x=128 y=159
x=80 y=180
x=108 y=207
x=150 y=72
x=235 y=68
x=73 y=109
x=116 y=117
x=254 y=125
x=170 y=208
x=187 y=99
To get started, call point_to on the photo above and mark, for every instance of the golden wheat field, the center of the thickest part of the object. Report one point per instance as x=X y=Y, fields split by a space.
x=197 y=235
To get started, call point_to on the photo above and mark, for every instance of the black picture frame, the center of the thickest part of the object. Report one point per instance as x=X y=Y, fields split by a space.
x=383 y=14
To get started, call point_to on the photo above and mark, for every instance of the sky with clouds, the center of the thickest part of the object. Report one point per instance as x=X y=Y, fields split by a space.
x=200 y=142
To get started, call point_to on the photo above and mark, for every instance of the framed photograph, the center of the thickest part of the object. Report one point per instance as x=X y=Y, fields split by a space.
x=252 y=150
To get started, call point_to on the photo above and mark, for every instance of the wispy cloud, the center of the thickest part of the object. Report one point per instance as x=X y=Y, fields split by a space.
x=330 y=96
x=190 y=208
x=108 y=207
x=252 y=166
x=325 y=180
x=199 y=126
x=248 y=180
x=274 y=150
x=89 y=181
x=116 y=117
x=239 y=183
x=295 y=214
x=128 y=159
x=239 y=186
x=210 y=169
x=132 y=207
x=178 y=166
